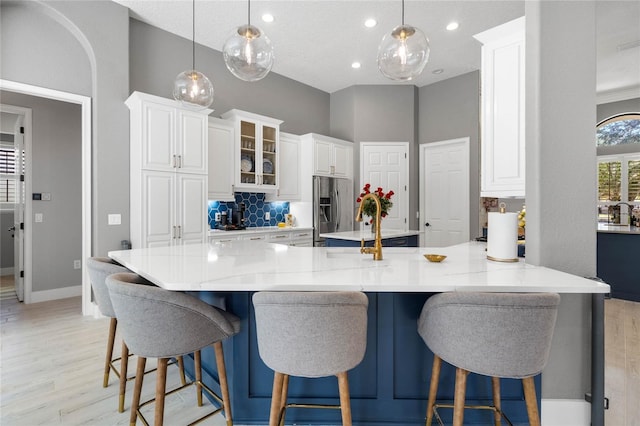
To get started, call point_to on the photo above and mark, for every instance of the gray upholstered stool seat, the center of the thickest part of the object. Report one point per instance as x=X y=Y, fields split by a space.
x=310 y=334
x=501 y=335
x=164 y=324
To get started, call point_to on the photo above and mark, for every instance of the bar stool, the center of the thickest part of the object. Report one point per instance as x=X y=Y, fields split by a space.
x=310 y=334
x=501 y=335
x=164 y=324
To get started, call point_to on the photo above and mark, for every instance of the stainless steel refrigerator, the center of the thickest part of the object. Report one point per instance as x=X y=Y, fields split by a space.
x=333 y=207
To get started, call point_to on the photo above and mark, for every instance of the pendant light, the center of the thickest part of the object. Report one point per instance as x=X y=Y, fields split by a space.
x=403 y=53
x=248 y=52
x=191 y=87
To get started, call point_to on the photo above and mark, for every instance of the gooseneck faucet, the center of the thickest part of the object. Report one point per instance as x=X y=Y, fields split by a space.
x=376 y=250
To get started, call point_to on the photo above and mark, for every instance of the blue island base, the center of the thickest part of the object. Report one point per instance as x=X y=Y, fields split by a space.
x=389 y=387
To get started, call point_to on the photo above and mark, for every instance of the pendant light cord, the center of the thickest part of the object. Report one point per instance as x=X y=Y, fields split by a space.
x=249 y=12
x=193 y=34
x=403 y=13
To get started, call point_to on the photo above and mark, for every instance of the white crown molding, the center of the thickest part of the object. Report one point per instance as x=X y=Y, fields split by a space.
x=618 y=95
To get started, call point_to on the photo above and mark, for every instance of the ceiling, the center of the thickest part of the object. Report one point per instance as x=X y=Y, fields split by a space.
x=315 y=42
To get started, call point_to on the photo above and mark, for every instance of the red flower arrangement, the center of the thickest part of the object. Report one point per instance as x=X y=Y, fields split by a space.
x=369 y=207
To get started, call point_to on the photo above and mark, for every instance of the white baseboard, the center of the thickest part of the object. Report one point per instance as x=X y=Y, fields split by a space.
x=565 y=412
x=56 y=293
x=6 y=271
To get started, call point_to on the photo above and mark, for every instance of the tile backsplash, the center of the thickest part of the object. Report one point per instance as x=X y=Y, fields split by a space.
x=256 y=207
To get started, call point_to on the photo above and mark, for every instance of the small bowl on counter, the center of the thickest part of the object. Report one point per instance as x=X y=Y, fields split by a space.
x=435 y=257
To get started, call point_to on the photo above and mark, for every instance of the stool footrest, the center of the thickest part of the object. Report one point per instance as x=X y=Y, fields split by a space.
x=178 y=389
x=470 y=407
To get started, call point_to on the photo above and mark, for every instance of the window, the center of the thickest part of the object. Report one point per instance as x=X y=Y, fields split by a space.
x=8 y=175
x=618 y=188
x=619 y=175
x=621 y=129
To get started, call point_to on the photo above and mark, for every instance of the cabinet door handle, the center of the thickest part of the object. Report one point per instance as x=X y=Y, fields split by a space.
x=256 y=238
x=173 y=163
x=179 y=161
x=173 y=232
x=179 y=231
x=333 y=170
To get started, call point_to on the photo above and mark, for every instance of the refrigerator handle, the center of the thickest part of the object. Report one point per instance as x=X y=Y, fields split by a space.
x=338 y=209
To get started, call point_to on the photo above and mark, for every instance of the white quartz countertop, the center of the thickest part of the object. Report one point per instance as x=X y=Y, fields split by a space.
x=367 y=235
x=257 y=266
x=259 y=230
x=618 y=229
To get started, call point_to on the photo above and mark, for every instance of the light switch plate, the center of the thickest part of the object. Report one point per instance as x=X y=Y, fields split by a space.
x=114 y=219
x=46 y=196
x=39 y=217
x=267 y=216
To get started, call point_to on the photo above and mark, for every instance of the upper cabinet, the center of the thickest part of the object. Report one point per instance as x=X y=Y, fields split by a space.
x=257 y=144
x=331 y=157
x=221 y=159
x=171 y=138
x=168 y=172
x=289 y=157
x=503 y=110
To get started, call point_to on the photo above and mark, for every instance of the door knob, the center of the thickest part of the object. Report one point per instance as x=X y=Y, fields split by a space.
x=427 y=224
x=11 y=228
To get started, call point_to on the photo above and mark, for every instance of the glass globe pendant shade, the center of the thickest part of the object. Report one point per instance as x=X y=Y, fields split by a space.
x=193 y=89
x=248 y=53
x=403 y=53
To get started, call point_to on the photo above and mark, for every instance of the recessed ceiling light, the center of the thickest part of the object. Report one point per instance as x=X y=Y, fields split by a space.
x=452 y=26
x=370 y=23
x=438 y=71
x=355 y=65
x=267 y=17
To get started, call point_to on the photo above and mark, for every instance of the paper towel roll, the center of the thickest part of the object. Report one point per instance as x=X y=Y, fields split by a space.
x=502 y=237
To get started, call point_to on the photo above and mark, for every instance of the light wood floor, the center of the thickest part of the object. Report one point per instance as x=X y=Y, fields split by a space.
x=51 y=369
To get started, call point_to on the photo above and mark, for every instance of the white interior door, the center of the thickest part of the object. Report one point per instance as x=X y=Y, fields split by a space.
x=385 y=165
x=18 y=212
x=444 y=192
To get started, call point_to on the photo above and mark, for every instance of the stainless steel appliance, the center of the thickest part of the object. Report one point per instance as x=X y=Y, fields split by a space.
x=333 y=207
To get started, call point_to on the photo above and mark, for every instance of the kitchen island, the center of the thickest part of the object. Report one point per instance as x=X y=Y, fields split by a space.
x=390 y=386
x=390 y=238
x=618 y=248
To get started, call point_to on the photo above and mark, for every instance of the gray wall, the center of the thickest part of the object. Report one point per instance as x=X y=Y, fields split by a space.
x=55 y=168
x=450 y=109
x=38 y=48
x=6 y=242
x=157 y=57
x=379 y=114
x=561 y=182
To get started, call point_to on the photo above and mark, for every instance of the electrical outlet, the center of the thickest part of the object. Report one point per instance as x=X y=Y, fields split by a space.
x=77 y=264
x=114 y=219
x=38 y=217
x=218 y=217
x=267 y=216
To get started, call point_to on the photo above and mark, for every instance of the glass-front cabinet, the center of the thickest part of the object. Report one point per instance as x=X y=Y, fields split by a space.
x=256 y=151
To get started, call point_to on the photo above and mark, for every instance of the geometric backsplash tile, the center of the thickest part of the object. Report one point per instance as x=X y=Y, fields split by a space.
x=255 y=206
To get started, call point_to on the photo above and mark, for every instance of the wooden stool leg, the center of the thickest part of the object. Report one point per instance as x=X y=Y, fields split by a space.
x=224 y=385
x=345 y=401
x=197 y=361
x=276 y=393
x=495 y=384
x=109 y=356
x=137 y=390
x=530 y=398
x=124 y=367
x=283 y=399
x=458 y=399
x=183 y=379
x=161 y=383
x=433 y=387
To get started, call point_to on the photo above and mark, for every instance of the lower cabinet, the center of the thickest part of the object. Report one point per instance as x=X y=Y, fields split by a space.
x=300 y=238
x=407 y=241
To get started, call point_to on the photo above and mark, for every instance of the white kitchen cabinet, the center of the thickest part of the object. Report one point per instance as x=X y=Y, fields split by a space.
x=289 y=169
x=256 y=151
x=283 y=237
x=331 y=156
x=221 y=160
x=302 y=238
x=503 y=110
x=168 y=172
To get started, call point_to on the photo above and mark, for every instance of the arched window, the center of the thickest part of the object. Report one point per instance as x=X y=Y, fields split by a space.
x=619 y=175
x=621 y=129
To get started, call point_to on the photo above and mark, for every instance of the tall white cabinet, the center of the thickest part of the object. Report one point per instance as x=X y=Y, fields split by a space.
x=169 y=172
x=503 y=110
